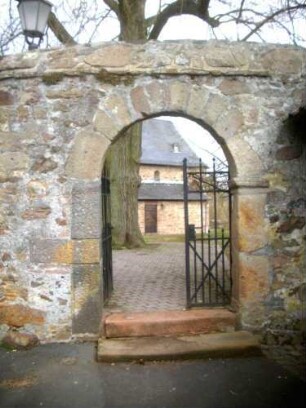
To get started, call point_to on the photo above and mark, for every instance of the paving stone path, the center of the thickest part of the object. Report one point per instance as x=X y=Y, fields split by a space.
x=152 y=278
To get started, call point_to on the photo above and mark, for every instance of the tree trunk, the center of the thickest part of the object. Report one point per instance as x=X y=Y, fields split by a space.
x=122 y=159
x=122 y=162
x=132 y=20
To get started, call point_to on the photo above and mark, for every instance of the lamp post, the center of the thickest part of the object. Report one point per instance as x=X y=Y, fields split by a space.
x=34 y=16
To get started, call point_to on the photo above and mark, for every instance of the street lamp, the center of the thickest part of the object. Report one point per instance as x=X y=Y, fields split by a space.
x=34 y=16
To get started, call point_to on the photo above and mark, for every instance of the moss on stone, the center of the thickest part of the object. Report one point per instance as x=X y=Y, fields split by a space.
x=52 y=79
x=115 y=79
x=6 y=346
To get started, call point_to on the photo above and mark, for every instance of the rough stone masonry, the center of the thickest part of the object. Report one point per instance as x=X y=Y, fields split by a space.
x=59 y=112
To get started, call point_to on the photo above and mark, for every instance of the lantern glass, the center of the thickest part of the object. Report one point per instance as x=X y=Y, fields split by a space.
x=34 y=16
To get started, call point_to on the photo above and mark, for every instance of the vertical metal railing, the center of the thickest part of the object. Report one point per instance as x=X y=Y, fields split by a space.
x=107 y=261
x=187 y=233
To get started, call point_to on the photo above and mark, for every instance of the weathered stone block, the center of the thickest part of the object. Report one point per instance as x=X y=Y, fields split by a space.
x=254 y=278
x=23 y=113
x=110 y=56
x=283 y=61
x=86 y=211
x=218 y=57
x=233 y=86
x=20 y=61
x=217 y=105
x=64 y=93
x=178 y=95
x=158 y=96
x=13 y=161
x=12 y=291
x=89 y=146
x=87 y=299
x=44 y=165
x=4 y=116
x=19 y=315
x=62 y=58
x=277 y=181
x=291 y=224
x=106 y=124
x=58 y=251
x=198 y=96
x=230 y=124
x=6 y=98
x=34 y=213
x=37 y=189
x=3 y=223
x=20 y=341
x=140 y=100
x=289 y=153
x=31 y=97
x=252 y=235
x=248 y=165
x=274 y=303
x=118 y=106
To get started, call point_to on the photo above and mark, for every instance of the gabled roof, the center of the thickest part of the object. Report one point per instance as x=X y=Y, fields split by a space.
x=163 y=145
x=165 y=192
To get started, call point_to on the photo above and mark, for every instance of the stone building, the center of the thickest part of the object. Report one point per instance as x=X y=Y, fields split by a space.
x=59 y=112
x=161 y=193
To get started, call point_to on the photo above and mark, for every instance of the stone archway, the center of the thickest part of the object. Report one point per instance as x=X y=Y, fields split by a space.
x=59 y=112
x=209 y=109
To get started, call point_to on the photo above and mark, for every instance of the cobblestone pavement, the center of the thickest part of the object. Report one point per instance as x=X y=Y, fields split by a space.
x=151 y=278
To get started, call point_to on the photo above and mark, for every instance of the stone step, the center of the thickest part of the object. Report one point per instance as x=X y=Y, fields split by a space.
x=216 y=345
x=168 y=323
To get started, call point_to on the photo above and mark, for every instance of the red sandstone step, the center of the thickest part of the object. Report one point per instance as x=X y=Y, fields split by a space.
x=216 y=345
x=167 y=323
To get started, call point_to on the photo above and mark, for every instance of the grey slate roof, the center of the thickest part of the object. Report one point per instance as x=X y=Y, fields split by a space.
x=158 y=139
x=164 y=192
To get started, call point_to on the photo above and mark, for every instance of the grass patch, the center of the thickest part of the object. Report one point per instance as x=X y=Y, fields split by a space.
x=7 y=347
x=218 y=233
x=156 y=238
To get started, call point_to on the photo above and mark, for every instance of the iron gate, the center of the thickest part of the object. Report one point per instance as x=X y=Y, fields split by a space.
x=107 y=263
x=207 y=205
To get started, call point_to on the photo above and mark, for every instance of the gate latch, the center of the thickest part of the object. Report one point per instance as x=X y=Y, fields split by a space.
x=191 y=232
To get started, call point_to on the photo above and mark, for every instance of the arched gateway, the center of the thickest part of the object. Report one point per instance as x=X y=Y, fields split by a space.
x=59 y=112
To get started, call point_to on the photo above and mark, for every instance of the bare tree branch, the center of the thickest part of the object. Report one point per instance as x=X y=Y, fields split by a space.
x=113 y=5
x=271 y=17
x=179 y=7
x=59 y=30
x=241 y=8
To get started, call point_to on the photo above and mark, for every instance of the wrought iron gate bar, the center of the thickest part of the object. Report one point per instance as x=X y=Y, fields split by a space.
x=201 y=259
x=107 y=263
x=207 y=247
x=201 y=286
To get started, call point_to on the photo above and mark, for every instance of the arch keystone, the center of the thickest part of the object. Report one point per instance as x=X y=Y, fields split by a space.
x=179 y=95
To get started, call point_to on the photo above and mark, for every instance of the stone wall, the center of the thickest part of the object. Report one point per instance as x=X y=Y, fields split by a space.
x=59 y=112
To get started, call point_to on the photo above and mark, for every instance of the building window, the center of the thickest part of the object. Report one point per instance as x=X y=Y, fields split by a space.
x=176 y=148
x=156 y=175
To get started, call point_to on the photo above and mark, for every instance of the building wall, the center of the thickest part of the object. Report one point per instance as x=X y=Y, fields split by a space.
x=59 y=112
x=167 y=173
x=170 y=216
